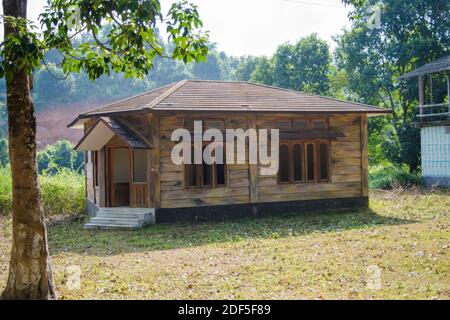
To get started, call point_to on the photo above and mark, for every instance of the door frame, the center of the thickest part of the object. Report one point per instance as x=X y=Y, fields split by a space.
x=110 y=176
x=109 y=197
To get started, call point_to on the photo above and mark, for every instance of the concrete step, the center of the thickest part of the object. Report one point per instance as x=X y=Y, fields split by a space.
x=121 y=215
x=115 y=221
x=108 y=226
x=127 y=210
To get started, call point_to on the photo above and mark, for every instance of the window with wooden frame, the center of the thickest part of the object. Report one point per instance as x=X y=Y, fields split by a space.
x=291 y=164
x=304 y=162
x=94 y=156
x=302 y=124
x=205 y=175
x=140 y=166
x=324 y=159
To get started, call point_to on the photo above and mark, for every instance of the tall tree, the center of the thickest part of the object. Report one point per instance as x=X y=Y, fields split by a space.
x=410 y=34
x=130 y=46
x=245 y=68
x=283 y=67
x=303 y=66
x=263 y=72
x=311 y=65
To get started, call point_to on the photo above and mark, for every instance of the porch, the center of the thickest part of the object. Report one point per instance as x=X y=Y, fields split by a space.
x=117 y=176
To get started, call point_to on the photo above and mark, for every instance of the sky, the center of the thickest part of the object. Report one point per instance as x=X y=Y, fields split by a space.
x=257 y=27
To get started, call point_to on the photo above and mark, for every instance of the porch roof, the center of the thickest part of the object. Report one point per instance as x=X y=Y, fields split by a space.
x=439 y=65
x=102 y=132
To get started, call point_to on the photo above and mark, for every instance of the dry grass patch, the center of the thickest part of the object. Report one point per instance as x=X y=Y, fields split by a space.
x=320 y=256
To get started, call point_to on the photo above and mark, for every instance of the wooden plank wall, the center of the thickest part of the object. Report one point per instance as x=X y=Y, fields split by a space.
x=347 y=164
x=154 y=190
x=173 y=192
x=245 y=184
x=345 y=167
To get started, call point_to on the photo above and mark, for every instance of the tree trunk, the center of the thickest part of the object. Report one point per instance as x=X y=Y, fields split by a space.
x=30 y=275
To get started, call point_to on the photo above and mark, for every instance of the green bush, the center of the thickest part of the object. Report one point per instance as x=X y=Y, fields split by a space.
x=5 y=190
x=4 y=157
x=62 y=193
x=387 y=176
x=59 y=155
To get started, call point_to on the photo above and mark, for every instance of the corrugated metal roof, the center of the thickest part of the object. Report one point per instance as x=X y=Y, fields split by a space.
x=439 y=65
x=203 y=95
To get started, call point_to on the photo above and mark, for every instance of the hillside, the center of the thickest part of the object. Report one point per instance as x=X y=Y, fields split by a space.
x=52 y=123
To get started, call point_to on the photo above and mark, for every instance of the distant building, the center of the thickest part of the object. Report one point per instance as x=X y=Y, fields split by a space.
x=434 y=122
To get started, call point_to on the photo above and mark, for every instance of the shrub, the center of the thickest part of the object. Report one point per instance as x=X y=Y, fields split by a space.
x=4 y=157
x=5 y=190
x=62 y=193
x=59 y=155
x=387 y=176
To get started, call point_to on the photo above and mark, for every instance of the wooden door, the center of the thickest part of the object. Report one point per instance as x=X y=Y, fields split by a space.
x=120 y=164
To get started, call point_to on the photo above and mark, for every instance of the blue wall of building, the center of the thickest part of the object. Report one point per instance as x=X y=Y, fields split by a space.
x=435 y=151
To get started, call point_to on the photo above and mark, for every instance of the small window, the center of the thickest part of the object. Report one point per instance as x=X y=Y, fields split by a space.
x=204 y=175
x=220 y=171
x=189 y=124
x=310 y=163
x=301 y=124
x=323 y=161
x=191 y=172
x=140 y=165
x=319 y=124
x=300 y=162
x=297 y=160
x=284 y=124
x=284 y=164
x=220 y=174
x=191 y=176
x=121 y=165
x=207 y=174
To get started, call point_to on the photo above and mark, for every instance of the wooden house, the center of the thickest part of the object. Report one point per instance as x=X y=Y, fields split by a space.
x=434 y=123
x=131 y=179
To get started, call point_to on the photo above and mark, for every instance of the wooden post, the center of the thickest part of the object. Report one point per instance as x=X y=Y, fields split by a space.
x=421 y=93
x=102 y=176
x=154 y=167
x=253 y=168
x=364 y=158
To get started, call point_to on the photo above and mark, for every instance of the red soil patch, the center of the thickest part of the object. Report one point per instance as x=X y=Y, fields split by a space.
x=52 y=123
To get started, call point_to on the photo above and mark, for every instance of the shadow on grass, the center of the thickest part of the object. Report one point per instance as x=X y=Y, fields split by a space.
x=70 y=236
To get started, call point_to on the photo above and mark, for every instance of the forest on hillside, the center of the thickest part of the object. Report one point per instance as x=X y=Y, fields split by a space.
x=364 y=67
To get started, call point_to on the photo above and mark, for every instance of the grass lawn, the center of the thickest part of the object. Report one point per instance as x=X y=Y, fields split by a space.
x=406 y=234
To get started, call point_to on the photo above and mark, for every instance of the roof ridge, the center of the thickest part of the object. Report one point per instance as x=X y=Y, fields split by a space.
x=165 y=94
x=212 y=80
